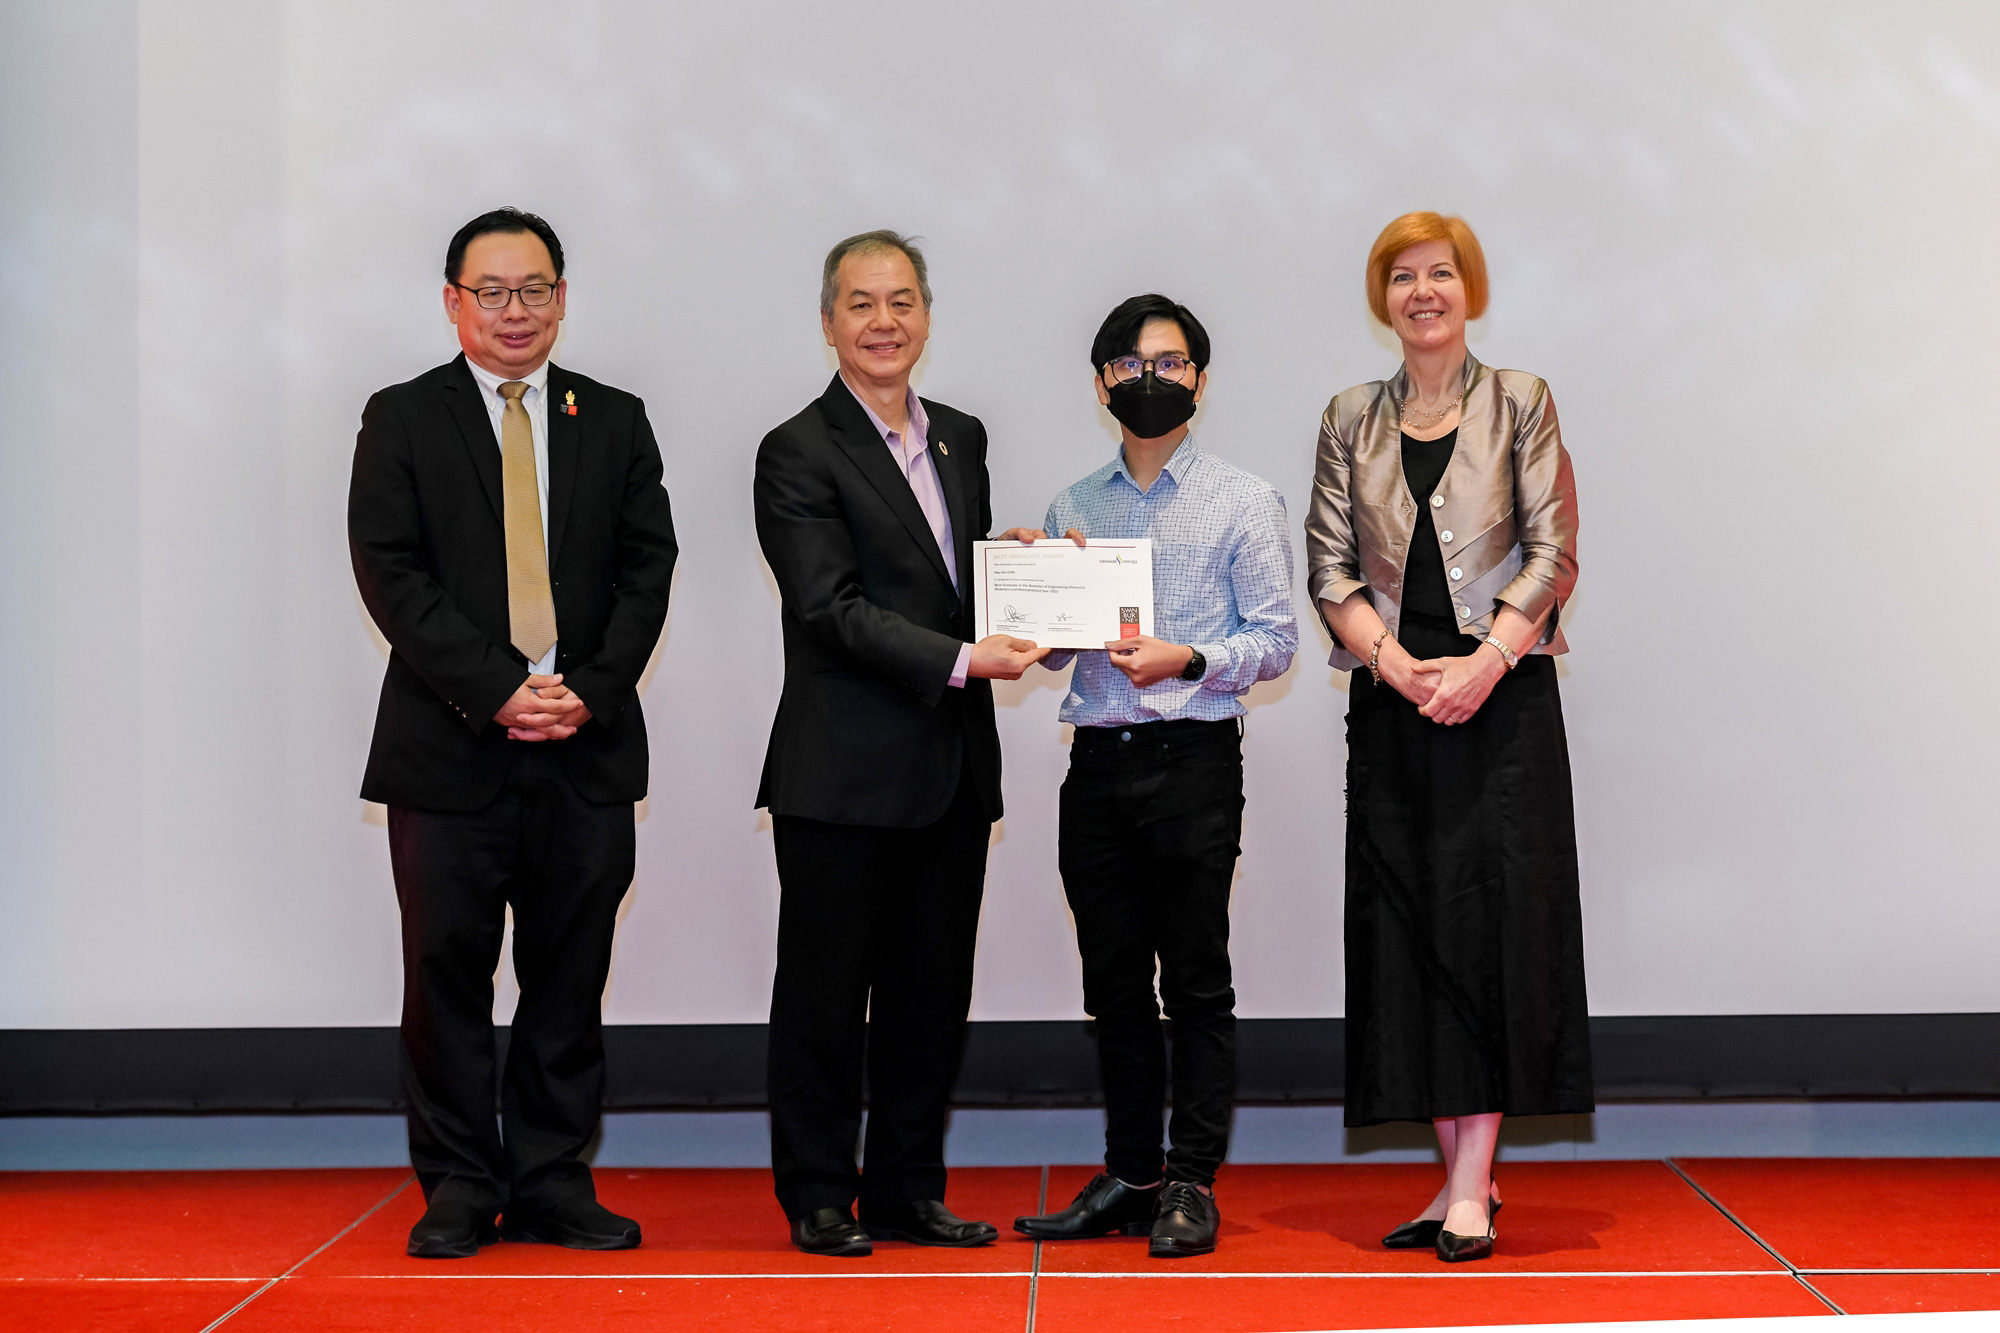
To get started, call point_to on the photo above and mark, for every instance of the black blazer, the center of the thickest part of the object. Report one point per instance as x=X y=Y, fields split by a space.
x=429 y=549
x=869 y=729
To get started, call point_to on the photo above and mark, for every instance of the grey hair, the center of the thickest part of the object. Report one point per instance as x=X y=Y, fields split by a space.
x=869 y=242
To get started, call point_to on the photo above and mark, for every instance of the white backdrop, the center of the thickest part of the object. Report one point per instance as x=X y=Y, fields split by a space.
x=1751 y=247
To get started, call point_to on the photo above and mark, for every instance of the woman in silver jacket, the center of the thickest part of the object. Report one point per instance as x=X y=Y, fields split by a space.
x=1441 y=546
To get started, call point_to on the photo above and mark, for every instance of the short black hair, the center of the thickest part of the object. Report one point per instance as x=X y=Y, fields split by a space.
x=510 y=220
x=871 y=242
x=1119 y=333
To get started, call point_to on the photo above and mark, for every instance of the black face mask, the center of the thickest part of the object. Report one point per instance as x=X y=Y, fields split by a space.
x=1150 y=407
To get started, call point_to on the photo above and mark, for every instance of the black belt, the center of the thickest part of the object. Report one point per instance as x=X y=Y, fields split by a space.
x=1168 y=729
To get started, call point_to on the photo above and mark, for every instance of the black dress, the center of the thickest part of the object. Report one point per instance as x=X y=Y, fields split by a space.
x=1464 y=933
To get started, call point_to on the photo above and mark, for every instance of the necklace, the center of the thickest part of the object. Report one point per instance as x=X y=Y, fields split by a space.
x=1424 y=420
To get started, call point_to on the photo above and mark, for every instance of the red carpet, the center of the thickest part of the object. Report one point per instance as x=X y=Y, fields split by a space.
x=315 y=1251
x=1940 y=1212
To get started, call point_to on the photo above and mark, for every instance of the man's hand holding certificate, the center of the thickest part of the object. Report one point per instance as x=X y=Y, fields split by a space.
x=1061 y=594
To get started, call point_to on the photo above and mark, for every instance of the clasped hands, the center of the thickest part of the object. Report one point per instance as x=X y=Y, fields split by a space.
x=1447 y=690
x=542 y=709
x=1144 y=659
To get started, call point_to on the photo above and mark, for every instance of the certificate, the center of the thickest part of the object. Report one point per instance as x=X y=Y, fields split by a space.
x=1062 y=595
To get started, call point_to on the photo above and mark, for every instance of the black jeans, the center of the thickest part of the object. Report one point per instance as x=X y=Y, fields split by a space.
x=1152 y=815
x=563 y=863
x=876 y=928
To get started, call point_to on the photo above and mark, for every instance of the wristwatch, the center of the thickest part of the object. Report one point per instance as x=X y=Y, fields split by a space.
x=1196 y=668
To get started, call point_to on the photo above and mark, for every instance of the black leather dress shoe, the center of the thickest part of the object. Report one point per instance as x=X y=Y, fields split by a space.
x=831 y=1231
x=1185 y=1223
x=581 y=1223
x=927 y=1222
x=451 y=1230
x=1105 y=1205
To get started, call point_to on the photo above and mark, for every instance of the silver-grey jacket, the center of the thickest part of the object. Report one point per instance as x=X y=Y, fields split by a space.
x=1505 y=510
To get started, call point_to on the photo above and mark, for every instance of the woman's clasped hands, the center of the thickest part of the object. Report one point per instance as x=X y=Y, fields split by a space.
x=1447 y=690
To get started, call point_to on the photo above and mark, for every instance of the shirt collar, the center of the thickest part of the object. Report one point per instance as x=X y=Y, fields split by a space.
x=920 y=424
x=1184 y=456
x=537 y=379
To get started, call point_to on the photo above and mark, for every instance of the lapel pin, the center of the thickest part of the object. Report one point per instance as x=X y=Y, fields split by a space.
x=569 y=402
x=941 y=449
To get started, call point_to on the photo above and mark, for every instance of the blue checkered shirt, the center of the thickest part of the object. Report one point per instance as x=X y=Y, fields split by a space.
x=1222 y=583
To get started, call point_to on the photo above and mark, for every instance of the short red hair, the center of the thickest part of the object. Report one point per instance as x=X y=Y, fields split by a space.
x=1414 y=229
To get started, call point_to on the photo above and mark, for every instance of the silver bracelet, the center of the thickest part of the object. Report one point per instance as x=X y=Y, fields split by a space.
x=1375 y=657
x=1507 y=654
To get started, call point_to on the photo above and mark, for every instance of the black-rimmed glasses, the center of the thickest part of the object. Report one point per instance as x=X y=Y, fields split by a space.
x=496 y=298
x=1172 y=367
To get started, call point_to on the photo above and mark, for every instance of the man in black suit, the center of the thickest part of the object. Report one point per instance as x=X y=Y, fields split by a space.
x=883 y=773
x=512 y=539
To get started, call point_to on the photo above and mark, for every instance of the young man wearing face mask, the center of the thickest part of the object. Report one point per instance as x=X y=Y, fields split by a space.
x=1153 y=806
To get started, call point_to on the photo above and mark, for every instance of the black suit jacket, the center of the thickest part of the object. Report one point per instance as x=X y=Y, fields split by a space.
x=869 y=729
x=424 y=528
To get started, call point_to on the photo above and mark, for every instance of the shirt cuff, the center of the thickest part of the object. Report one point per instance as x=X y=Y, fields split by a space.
x=964 y=665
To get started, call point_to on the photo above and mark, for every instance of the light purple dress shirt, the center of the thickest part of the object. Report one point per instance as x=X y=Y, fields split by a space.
x=911 y=448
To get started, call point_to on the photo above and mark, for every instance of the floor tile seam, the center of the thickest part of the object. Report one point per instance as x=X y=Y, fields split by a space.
x=1734 y=1220
x=666 y=1277
x=1455 y=1276
x=1035 y=1268
x=1046 y=1273
x=231 y=1312
x=238 y=1308
x=99 y=1277
x=1818 y=1295
x=335 y=1238
x=1899 y=1272
x=1744 y=1227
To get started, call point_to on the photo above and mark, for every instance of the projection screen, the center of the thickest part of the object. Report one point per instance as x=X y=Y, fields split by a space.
x=1750 y=247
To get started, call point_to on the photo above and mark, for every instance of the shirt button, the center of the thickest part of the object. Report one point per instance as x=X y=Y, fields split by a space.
x=1124 y=735
x=1445 y=536
x=1457 y=573
x=1465 y=613
x=1437 y=502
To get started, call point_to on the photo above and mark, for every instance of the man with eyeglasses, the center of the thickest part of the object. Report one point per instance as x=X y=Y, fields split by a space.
x=1152 y=809
x=511 y=536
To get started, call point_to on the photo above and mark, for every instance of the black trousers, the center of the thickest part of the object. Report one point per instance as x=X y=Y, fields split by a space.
x=876 y=928
x=1152 y=815
x=563 y=863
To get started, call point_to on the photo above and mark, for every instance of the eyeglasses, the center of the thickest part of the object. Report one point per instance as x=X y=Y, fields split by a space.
x=1172 y=368
x=496 y=298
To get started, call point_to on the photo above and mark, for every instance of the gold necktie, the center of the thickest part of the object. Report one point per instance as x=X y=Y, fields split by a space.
x=531 y=609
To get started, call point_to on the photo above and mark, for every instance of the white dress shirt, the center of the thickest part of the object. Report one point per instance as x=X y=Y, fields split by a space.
x=536 y=403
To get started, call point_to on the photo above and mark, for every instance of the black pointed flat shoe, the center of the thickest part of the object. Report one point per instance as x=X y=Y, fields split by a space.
x=1453 y=1248
x=1422 y=1234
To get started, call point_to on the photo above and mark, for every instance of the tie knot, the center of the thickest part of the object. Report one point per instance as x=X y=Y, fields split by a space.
x=513 y=389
